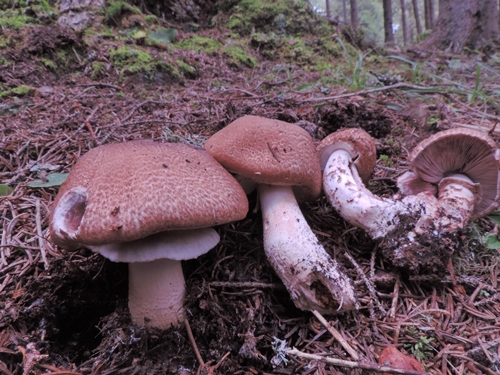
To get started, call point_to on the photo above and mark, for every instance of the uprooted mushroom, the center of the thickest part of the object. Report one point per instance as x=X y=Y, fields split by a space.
x=281 y=159
x=420 y=230
x=150 y=205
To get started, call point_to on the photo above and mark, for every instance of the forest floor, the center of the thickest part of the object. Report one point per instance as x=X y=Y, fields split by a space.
x=66 y=312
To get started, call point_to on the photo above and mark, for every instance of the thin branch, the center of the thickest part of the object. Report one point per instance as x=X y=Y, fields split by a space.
x=400 y=85
x=193 y=343
x=351 y=364
x=348 y=348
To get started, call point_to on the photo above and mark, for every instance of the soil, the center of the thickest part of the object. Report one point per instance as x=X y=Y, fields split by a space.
x=66 y=312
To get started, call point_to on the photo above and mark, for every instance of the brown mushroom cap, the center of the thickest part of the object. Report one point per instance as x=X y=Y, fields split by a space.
x=123 y=192
x=358 y=143
x=269 y=152
x=463 y=151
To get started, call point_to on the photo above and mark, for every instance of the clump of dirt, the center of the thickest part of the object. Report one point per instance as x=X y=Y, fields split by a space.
x=428 y=255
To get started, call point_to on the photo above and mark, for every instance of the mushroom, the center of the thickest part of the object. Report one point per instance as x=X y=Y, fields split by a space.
x=281 y=159
x=151 y=205
x=462 y=163
x=467 y=152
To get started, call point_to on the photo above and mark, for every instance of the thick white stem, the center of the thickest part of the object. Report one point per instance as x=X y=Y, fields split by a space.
x=313 y=279
x=156 y=293
x=378 y=216
x=454 y=206
x=355 y=203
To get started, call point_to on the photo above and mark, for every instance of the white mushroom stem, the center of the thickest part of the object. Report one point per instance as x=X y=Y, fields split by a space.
x=156 y=282
x=311 y=276
x=156 y=293
x=379 y=216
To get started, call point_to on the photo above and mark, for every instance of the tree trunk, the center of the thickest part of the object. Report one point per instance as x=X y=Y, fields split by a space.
x=388 y=32
x=354 y=14
x=464 y=23
x=417 y=17
x=489 y=10
x=344 y=8
x=404 y=23
x=429 y=13
x=328 y=11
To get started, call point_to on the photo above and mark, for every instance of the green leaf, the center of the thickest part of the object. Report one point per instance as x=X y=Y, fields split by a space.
x=54 y=179
x=163 y=36
x=491 y=241
x=495 y=217
x=5 y=190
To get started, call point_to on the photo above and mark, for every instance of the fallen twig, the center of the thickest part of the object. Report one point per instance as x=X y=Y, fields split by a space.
x=193 y=343
x=352 y=364
x=348 y=348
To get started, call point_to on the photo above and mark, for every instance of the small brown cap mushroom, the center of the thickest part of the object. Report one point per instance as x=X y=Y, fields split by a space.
x=123 y=192
x=269 y=152
x=461 y=151
x=358 y=143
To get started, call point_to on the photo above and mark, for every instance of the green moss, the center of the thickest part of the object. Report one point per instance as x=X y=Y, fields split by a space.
x=116 y=8
x=273 y=15
x=131 y=60
x=13 y=20
x=151 y=19
x=63 y=57
x=200 y=44
x=6 y=4
x=98 y=70
x=49 y=64
x=23 y=90
x=298 y=51
x=238 y=56
x=186 y=70
x=5 y=40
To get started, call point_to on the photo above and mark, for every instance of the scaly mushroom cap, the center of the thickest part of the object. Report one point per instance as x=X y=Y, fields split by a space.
x=463 y=151
x=127 y=191
x=358 y=143
x=270 y=152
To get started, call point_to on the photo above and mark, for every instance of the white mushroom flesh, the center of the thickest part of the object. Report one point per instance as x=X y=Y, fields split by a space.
x=313 y=279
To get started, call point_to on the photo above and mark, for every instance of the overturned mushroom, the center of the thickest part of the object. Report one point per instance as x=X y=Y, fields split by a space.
x=453 y=162
x=150 y=205
x=466 y=152
x=281 y=158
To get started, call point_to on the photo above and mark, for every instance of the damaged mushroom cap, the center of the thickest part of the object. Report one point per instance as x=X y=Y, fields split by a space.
x=461 y=151
x=355 y=141
x=269 y=152
x=123 y=192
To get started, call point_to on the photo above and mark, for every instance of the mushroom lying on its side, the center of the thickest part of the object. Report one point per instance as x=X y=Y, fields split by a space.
x=150 y=205
x=281 y=159
x=461 y=165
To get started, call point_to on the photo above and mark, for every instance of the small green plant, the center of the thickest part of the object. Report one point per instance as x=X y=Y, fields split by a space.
x=386 y=160
x=422 y=350
x=98 y=70
x=49 y=64
x=489 y=240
